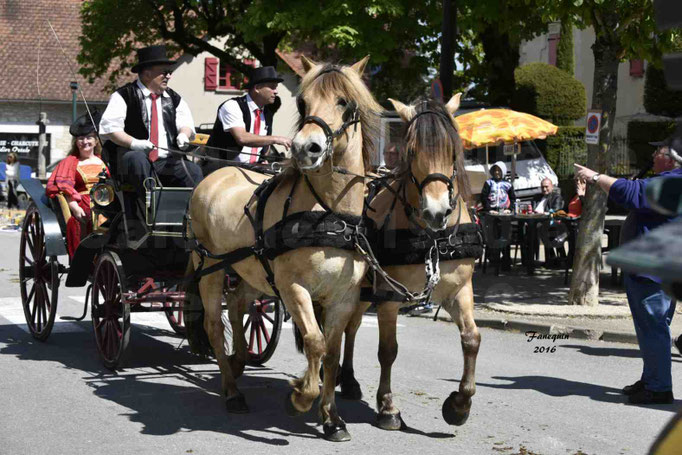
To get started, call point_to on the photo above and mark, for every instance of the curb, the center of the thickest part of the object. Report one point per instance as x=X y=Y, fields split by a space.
x=550 y=329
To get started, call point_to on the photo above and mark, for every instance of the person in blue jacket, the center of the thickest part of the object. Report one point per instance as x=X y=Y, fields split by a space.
x=652 y=309
x=497 y=193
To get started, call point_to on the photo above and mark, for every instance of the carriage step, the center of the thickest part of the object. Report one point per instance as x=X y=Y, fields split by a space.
x=62 y=268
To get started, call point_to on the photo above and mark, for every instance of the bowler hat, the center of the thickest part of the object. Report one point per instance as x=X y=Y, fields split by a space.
x=151 y=55
x=84 y=126
x=263 y=74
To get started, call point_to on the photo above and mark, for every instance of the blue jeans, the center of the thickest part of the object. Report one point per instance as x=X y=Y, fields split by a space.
x=652 y=311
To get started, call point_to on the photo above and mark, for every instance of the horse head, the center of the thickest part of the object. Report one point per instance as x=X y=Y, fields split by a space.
x=433 y=158
x=336 y=110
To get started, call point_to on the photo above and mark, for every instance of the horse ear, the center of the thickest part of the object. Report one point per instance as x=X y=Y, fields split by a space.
x=359 y=67
x=453 y=104
x=307 y=63
x=404 y=111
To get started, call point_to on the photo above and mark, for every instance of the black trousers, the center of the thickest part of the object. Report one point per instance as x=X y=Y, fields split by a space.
x=134 y=167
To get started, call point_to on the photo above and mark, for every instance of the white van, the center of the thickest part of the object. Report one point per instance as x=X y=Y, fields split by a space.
x=531 y=166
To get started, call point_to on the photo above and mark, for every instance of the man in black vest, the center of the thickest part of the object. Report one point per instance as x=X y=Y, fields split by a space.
x=145 y=119
x=244 y=123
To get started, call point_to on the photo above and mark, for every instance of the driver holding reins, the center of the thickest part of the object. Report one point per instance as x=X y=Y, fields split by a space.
x=144 y=119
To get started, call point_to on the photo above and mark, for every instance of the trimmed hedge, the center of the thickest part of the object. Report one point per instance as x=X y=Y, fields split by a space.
x=567 y=146
x=564 y=51
x=658 y=99
x=548 y=92
x=640 y=133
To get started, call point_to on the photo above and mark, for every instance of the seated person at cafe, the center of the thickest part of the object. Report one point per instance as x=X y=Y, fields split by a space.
x=497 y=194
x=549 y=200
x=575 y=205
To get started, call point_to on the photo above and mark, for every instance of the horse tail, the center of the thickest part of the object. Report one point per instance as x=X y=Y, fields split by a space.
x=298 y=336
x=193 y=314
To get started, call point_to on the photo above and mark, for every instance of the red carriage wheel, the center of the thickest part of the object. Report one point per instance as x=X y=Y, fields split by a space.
x=110 y=312
x=175 y=319
x=262 y=328
x=38 y=277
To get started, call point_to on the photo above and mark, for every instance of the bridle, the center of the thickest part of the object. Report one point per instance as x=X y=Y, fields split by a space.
x=435 y=176
x=351 y=117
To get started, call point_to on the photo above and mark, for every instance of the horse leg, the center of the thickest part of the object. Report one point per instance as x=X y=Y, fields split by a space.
x=305 y=389
x=350 y=388
x=211 y=288
x=387 y=316
x=335 y=322
x=457 y=406
x=238 y=303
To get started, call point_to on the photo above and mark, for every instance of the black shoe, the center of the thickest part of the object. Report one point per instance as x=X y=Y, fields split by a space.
x=678 y=344
x=633 y=388
x=649 y=397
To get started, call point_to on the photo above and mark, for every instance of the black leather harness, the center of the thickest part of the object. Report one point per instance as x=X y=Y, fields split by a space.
x=297 y=230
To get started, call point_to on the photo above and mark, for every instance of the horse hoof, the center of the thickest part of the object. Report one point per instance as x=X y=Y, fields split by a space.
x=389 y=421
x=237 y=404
x=335 y=432
x=289 y=406
x=450 y=415
x=351 y=391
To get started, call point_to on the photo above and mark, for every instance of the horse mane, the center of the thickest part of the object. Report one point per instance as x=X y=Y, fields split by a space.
x=328 y=79
x=438 y=137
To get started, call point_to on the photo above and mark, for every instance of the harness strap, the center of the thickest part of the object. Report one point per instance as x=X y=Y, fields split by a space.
x=317 y=197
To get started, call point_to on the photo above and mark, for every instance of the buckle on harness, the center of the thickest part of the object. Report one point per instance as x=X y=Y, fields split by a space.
x=341 y=231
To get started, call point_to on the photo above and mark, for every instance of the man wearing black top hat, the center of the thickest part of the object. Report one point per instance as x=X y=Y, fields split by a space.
x=145 y=119
x=244 y=123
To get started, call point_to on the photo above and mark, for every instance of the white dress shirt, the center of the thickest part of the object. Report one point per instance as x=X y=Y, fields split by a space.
x=231 y=115
x=114 y=116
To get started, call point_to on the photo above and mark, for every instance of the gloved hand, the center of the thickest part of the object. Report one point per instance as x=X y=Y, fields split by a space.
x=183 y=141
x=141 y=145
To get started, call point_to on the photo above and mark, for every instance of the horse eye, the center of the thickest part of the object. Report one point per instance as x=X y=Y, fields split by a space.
x=342 y=102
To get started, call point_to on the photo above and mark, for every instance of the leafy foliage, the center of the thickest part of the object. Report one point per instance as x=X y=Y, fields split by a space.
x=339 y=30
x=658 y=98
x=564 y=52
x=549 y=92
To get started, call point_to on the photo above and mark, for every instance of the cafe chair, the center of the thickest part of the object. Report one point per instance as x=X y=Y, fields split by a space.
x=554 y=235
x=497 y=234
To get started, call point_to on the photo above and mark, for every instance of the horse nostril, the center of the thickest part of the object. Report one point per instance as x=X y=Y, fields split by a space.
x=313 y=148
x=448 y=212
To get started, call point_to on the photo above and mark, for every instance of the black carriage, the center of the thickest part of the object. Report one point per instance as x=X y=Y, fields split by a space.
x=133 y=261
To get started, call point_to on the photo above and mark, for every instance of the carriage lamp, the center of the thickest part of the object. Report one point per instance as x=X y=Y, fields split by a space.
x=103 y=194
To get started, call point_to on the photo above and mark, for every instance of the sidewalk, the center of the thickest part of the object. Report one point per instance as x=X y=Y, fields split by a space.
x=516 y=302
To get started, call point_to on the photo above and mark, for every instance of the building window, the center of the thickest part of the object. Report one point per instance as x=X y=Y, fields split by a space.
x=637 y=68
x=222 y=76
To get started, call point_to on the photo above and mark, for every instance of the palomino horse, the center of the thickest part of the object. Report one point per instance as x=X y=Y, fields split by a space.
x=338 y=130
x=422 y=201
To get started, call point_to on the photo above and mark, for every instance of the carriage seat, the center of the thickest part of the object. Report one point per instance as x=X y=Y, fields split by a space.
x=61 y=208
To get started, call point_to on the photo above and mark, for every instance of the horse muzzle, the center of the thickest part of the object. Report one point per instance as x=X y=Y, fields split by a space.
x=310 y=154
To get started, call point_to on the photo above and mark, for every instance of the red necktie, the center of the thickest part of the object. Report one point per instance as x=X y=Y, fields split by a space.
x=256 y=131
x=154 y=129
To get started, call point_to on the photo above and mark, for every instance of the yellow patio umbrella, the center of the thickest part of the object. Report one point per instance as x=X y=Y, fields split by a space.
x=496 y=126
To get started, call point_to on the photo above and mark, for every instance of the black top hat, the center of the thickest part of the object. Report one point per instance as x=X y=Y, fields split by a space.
x=83 y=125
x=151 y=55
x=263 y=74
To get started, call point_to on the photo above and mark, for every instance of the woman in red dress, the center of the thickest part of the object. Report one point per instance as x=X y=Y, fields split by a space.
x=74 y=176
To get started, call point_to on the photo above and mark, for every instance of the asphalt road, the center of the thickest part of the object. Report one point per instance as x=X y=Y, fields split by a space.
x=57 y=398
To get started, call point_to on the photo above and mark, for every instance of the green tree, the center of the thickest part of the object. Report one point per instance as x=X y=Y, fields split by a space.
x=258 y=28
x=564 y=51
x=623 y=29
x=548 y=92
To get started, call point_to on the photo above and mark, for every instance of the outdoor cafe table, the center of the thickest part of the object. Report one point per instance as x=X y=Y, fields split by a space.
x=528 y=233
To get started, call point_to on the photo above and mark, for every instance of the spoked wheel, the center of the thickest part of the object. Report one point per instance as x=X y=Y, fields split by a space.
x=110 y=312
x=262 y=327
x=38 y=277
x=174 y=315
